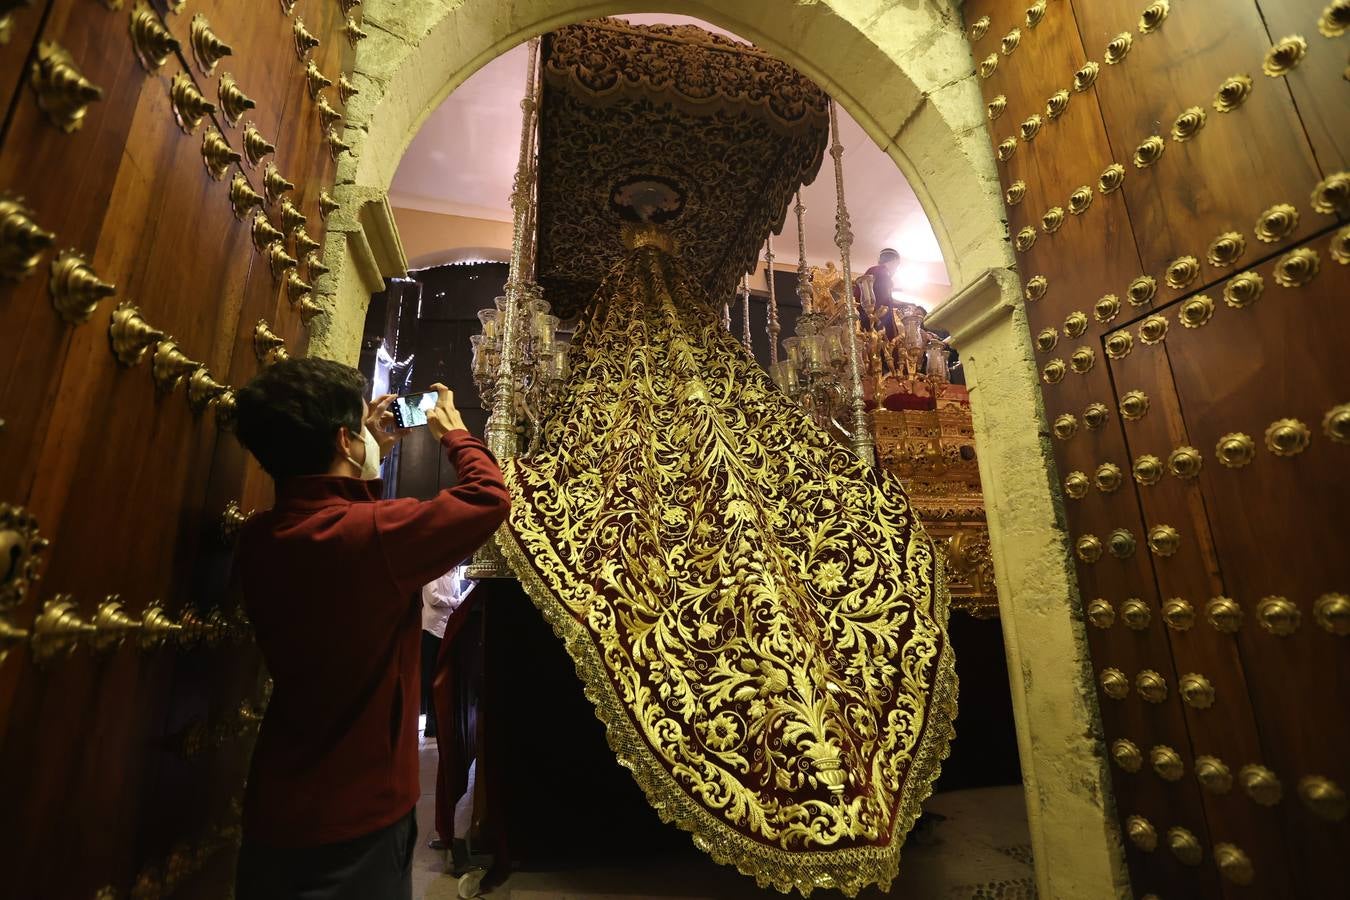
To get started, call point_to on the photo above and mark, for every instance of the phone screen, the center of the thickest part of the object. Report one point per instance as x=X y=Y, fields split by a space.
x=411 y=411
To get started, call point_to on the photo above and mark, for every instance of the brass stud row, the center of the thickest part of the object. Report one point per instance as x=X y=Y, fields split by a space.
x=1277 y=616
x=1320 y=795
x=1195 y=689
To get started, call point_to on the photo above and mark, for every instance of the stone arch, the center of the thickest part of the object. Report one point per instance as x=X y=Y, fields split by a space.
x=903 y=70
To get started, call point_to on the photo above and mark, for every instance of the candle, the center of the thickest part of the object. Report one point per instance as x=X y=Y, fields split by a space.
x=489 y=319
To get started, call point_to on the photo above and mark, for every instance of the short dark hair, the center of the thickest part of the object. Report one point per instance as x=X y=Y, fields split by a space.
x=888 y=254
x=288 y=415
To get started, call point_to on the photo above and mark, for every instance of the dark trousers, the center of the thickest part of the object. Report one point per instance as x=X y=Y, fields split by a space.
x=376 y=866
x=431 y=649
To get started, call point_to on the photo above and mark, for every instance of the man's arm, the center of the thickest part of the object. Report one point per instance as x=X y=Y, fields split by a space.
x=424 y=539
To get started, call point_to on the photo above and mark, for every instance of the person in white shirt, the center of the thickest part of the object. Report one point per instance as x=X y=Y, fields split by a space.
x=439 y=600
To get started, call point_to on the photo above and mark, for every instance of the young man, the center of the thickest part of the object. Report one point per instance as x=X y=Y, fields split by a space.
x=331 y=580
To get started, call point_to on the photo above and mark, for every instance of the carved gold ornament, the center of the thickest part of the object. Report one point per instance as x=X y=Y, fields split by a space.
x=1226 y=249
x=203 y=390
x=1141 y=832
x=1052 y=220
x=1082 y=360
x=1213 y=775
x=314 y=265
x=1133 y=405
x=1244 y=290
x=1089 y=550
x=1163 y=540
x=1287 y=437
x=1006 y=149
x=255 y=145
x=1332 y=194
x=169 y=365
x=1142 y=290
x=309 y=309
x=1112 y=177
x=1108 y=478
x=1153 y=329
x=217 y=154
x=1323 y=798
x=1166 y=763
x=1095 y=415
x=1184 y=846
x=1065 y=427
x=1016 y=191
x=1135 y=614
x=1278 y=616
x=63 y=93
x=1121 y=543
x=1126 y=754
x=189 y=106
x=1149 y=152
x=1196 y=311
x=1100 y=613
x=1076 y=485
x=979 y=28
x=1151 y=686
x=1153 y=16
x=304 y=244
x=1118 y=48
x=996 y=107
x=315 y=80
x=328 y=116
x=278 y=260
x=1085 y=77
x=207 y=48
x=1335 y=19
x=1036 y=287
x=1080 y=200
x=1233 y=864
x=1188 y=124
x=131 y=336
x=1031 y=127
x=1235 y=450
x=22 y=240
x=1224 y=614
x=275 y=184
x=1276 y=223
x=1114 y=683
x=291 y=217
x=242 y=197
x=1053 y=372
x=1119 y=345
x=268 y=347
x=304 y=41
x=1297 y=268
x=1035 y=12
x=21 y=550
x=296 y=287
x=1185 y=462
x=1232 y=93
x=1332 y=614
x=355 y=34
x=153 y=43
x=1075 y=324
x=1340 y=246
x=1010 y=41
x=1196 y=691
x=1026 y=239
x=346 y=89
x=58 y=629
x=1284 y=56
x=988 y=65
x=1106 y=309
x=1182 y=271
x=1148 y=469
x=262 y=232
x=336 y=145
x=1057 y=104
x=1178 y=614
x=75 y=288
x=1261 y=785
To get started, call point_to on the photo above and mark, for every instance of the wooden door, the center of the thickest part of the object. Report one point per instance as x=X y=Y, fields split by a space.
x=1176 y=192
x=129 y=688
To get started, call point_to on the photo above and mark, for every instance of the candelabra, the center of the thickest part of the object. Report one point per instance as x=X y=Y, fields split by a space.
x=538 y=361
x=815 y=372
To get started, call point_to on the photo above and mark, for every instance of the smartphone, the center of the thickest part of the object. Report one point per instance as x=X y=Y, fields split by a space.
x=411 y=411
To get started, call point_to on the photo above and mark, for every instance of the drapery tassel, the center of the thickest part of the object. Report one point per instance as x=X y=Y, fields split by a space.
x=843 y=238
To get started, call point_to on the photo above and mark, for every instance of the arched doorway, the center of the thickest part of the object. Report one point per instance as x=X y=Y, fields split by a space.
x=904 y=74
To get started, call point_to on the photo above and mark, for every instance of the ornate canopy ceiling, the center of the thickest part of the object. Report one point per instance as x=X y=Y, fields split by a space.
x=669 y=124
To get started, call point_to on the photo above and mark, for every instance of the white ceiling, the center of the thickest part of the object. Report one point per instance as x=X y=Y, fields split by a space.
x=463 y=160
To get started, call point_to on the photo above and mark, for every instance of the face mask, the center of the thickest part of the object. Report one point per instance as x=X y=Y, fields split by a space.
x=370 y=469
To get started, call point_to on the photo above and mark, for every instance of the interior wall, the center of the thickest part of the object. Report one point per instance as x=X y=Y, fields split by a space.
x=433 y=239
x=904 y=72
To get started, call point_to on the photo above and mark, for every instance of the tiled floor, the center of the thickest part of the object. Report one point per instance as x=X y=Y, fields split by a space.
x=981 y=851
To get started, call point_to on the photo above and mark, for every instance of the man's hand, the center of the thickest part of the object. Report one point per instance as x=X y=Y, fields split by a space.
x=380 y=421
x=444 y=417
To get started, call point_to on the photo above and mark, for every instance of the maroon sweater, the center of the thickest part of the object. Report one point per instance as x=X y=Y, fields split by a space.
x=331 y=579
